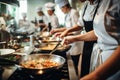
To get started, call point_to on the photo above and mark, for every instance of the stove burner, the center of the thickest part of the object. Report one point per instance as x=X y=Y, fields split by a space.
x=60 y=74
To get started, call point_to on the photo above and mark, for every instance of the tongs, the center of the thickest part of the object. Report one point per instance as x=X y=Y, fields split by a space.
x=37 y=40
x=55 y=47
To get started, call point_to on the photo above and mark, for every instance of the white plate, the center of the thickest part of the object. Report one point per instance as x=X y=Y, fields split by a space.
x=6 y=51
x=20 y=53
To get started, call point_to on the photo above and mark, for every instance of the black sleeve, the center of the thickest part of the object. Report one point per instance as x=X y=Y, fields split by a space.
x=112 y=19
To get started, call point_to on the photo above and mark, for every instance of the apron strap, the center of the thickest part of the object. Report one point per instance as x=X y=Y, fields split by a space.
x=94 y=12
x=84 y=11
x=96 y=9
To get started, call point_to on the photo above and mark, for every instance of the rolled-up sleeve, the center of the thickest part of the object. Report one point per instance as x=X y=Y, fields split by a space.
x=112 y=20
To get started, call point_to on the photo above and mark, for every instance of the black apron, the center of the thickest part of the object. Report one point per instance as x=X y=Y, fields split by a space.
x=41 y=27
x=41 y=21
x=49 y=26
x=88 y=45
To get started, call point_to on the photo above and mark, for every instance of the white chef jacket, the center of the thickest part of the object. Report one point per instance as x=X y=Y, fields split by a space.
x=44 y=18
x=105 y=43
x=54 y=21
x=71 y=20
x=24 y=26
x=23 y=23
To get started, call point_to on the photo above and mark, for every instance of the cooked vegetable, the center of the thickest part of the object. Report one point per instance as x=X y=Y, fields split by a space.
x=39 y=64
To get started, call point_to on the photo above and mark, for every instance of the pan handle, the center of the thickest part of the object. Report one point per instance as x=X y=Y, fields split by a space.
x=55 y=48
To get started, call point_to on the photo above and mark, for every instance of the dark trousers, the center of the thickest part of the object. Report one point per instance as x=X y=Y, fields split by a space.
x=87 y=50
x=75 y=61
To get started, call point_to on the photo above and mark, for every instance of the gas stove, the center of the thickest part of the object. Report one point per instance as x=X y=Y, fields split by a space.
x=67 y=72
x=60 y=74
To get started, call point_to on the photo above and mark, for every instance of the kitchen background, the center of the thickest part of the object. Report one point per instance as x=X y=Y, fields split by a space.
x=16 y=7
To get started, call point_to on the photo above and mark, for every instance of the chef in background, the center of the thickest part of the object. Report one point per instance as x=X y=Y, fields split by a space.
x=4 y=35
x=87 y=15
x=71 y=19
x=2 y=21
x=53 y=20
x=42 y=21
x=24 y=25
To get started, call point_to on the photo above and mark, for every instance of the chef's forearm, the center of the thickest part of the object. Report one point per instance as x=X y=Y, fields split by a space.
x=61 y=29
x=75 y=28
x=89 y=36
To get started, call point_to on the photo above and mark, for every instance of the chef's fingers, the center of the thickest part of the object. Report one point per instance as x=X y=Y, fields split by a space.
x=52 y=31
x=63 y=34
x=65 y=41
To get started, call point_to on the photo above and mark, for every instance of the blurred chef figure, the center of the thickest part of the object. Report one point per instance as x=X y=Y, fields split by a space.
x=42 y=21
x=2 y=21
x=53 y=20
x=24 y=25
x=71 y=19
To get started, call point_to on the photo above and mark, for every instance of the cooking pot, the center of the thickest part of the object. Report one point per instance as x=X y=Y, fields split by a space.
x=36 y=71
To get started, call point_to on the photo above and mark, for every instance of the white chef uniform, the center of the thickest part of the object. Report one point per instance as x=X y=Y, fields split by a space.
x=41 y=18
x=2 y=23
x=71 y=20
x=53 y=18
x=24 y=25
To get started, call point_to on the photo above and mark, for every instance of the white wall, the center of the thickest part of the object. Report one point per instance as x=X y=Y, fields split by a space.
x=23 y=7
x=32 y=4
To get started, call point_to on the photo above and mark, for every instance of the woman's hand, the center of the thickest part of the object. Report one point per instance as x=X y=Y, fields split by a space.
x=63 y=34
x=68 y=40
x=53 y=31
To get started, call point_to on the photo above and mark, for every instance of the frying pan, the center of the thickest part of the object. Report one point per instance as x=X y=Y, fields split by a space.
x=55 y=58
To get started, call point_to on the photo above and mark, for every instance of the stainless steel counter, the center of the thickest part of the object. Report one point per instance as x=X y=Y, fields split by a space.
x=71 y=68
x=8 y=71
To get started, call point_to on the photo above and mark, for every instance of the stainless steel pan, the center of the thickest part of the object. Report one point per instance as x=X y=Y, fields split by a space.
x=55 y=58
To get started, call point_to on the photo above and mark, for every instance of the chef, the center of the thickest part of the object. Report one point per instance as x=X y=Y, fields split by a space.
x=87 y=14
x=42 y=21
x=53 y=20
x=24 y=25
x=106 y=32
x=2 y=21
x=71 y=19
x=107 y=22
